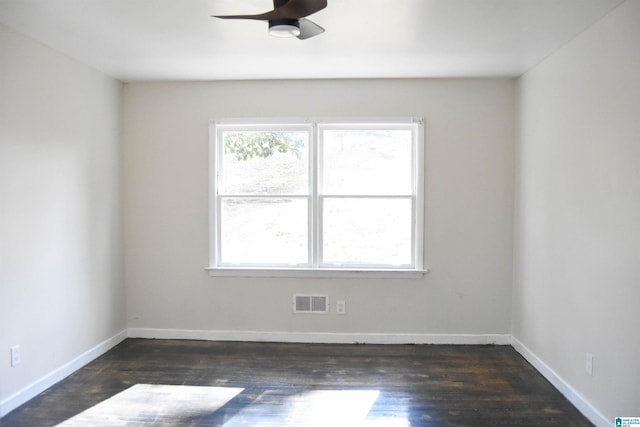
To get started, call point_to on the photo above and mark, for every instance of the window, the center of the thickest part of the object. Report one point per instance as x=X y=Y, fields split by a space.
x=316 y=196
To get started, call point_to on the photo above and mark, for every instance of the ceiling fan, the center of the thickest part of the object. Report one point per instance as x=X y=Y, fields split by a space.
x=288 y=18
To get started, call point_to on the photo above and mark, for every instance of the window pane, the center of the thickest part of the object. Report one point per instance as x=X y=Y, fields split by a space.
x=260 y=162
x=264 y=231
x=367 y=162
x=367 y=231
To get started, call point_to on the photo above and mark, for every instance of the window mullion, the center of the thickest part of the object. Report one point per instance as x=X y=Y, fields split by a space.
x=316 y=205
x=215 y=222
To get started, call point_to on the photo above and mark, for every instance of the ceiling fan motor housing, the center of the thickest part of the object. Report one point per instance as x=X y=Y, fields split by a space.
x=284 y=27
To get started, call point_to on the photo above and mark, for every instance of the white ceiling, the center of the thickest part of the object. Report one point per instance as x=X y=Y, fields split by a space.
x=138 y=40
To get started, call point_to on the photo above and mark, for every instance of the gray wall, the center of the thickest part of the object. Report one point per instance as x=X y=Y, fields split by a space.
x=577 y=254
x=469 y=200
x=61 y=287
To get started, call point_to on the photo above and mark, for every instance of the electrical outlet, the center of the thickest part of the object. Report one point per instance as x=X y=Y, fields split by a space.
x=589 y=364
x=15 y=355
x=341 y=307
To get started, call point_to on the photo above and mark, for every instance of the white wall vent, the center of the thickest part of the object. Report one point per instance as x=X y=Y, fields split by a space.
x=311 y=303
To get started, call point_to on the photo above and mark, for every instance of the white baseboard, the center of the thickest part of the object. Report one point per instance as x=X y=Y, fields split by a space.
x=320 y=337
x=31 y=391
x=563 y=387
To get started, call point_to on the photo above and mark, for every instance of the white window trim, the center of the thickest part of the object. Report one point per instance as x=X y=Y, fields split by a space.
x=313 y=125
x=329 y=273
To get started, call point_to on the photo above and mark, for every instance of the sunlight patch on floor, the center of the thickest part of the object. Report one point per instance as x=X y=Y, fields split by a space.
x=172 y=405
x=147 y=404
x=313 y=408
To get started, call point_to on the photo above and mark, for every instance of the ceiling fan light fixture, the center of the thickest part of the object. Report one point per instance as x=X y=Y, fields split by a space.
x=284 y=28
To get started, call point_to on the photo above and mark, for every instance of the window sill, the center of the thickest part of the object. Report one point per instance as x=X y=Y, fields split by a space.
x=317 y=273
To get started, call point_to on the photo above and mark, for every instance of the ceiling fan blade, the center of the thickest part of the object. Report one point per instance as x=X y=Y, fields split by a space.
x=261 y=17
x=293 y=9
x=296 y=9
x=309 y=29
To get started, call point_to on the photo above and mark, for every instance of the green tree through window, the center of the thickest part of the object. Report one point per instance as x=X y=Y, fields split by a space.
x=247 y=145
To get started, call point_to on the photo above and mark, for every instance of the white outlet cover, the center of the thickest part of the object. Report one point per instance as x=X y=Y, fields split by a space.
x=589 y=364
x=15 y=355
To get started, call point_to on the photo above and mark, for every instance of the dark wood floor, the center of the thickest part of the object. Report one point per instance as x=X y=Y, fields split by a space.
x=415 y=385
